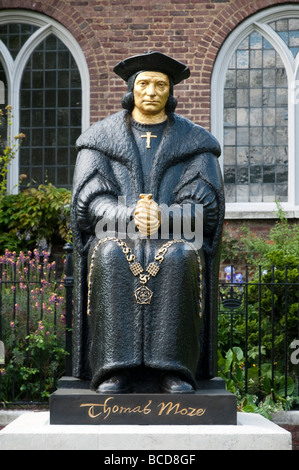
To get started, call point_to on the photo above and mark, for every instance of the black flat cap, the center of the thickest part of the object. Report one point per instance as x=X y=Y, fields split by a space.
x=152 y=62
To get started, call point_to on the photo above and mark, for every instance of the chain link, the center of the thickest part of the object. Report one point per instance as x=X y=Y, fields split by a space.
x=143 y=294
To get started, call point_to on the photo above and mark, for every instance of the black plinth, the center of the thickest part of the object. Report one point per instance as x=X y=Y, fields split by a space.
x=75 y=403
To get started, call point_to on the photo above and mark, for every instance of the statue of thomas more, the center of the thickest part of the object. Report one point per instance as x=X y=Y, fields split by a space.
x=146 y=305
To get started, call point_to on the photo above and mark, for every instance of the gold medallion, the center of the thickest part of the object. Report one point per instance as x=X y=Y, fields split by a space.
x=143 y=295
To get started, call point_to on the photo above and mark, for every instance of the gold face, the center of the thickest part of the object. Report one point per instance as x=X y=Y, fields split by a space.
x=151 y=91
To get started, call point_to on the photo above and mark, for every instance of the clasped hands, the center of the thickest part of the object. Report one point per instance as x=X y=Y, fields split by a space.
x=147 y=215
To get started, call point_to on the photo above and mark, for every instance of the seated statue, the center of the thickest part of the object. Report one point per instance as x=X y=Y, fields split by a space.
x=146 y=291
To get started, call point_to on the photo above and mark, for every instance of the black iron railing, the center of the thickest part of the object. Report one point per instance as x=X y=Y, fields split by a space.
x=35 y=324
x=260 y=309
x=258 y=315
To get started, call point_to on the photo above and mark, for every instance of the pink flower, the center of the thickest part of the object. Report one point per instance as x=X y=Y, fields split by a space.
x=52 y=298
x=21 y=257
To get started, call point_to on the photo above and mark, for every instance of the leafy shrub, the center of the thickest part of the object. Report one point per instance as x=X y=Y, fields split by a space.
x=32 y=304
x=33 y=326
x=272 y=320
x=263 y=395
x=246 y=247
x=36 y=217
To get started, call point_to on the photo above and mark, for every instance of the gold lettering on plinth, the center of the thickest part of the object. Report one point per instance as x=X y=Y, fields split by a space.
x=108 y=407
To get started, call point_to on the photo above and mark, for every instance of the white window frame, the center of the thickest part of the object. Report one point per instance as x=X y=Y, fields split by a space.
x=14 y=70
x=258 y=23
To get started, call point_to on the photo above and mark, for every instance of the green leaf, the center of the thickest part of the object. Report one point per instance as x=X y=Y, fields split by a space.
x=249 y=409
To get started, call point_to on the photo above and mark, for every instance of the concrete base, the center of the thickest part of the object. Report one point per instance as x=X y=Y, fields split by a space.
x=32 y=431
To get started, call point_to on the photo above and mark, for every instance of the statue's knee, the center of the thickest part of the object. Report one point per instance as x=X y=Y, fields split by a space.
x=111 y=251
x=106 y=250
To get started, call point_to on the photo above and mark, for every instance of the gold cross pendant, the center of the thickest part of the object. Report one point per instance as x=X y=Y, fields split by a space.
x=148 y=137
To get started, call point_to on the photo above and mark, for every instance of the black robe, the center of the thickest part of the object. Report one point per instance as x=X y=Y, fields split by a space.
x=168 y=334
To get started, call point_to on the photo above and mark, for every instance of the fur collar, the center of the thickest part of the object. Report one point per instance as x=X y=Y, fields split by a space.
x=114 y=138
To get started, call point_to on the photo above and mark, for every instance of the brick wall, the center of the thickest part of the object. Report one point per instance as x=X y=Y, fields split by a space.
x=259 y=228
x=109 y=30
x=294 y=430
x=233 y=228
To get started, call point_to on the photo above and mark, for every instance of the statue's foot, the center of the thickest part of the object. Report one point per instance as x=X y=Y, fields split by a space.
x=116 y=384
x=173 y=384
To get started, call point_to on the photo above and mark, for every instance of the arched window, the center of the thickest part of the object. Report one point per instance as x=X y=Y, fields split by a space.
x=47 y=82
x=255 y=106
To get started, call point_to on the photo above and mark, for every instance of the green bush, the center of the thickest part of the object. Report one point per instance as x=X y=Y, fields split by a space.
x=36 y=217
x=245 y=247
x=272 y=319
x=32 y=299
x=263 y=395
x=33 y=326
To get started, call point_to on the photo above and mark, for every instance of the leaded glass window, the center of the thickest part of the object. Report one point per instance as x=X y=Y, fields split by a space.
x=15 y=35
x=255 y=113
x=288 y=30
x=43 y=85
x=50 y=110
x=256 y=124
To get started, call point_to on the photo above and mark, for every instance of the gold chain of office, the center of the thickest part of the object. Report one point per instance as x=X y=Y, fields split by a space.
x=143 y=294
